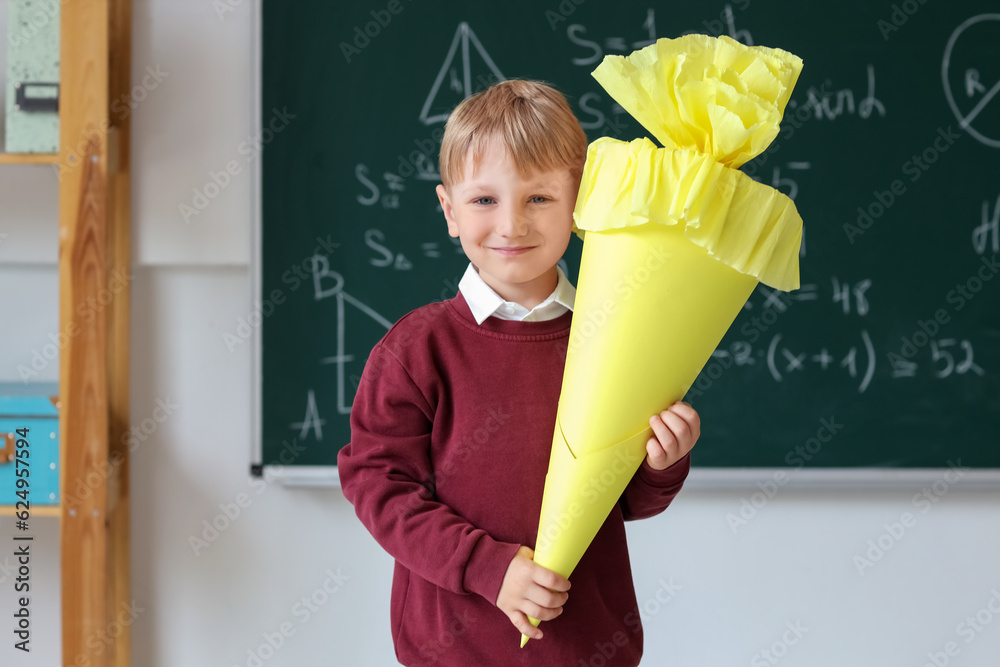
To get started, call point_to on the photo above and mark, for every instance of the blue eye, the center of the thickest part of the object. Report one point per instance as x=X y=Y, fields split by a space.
x=539 y=197
x=481 y=200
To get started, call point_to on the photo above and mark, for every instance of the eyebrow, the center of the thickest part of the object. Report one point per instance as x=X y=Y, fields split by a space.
x=537 y=183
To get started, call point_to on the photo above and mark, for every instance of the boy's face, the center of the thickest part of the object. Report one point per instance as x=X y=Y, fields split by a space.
x=513 y=229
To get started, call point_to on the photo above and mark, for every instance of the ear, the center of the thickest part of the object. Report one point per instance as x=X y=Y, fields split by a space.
x=449 y=212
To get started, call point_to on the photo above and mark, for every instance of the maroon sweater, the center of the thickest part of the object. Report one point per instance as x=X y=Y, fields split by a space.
x=450 y=436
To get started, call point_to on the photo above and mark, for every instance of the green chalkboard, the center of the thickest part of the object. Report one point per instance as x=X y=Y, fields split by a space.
x=887 y=357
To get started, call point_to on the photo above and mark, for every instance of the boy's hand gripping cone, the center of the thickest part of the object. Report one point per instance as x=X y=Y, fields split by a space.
x=675 y=240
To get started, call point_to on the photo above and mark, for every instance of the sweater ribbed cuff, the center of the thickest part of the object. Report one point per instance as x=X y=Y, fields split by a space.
x=486 y=567
x=674 y=475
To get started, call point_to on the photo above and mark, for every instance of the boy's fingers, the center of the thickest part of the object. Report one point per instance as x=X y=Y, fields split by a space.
x=539 y=612
x=546 y=598
x=655 y=451
x=689 y=415
x=548 y=579
x=663 y=433
x=678 y=425
x=520 y=622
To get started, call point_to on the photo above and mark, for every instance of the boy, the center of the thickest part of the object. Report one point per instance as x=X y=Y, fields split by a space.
x=452 y=423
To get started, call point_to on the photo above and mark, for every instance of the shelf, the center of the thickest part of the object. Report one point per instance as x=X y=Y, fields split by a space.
x=40 y=510
x=29 y=158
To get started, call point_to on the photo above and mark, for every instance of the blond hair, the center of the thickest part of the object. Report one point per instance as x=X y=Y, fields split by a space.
x=530 y=119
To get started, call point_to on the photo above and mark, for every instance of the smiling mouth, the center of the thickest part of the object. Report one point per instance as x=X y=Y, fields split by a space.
x=512 y=251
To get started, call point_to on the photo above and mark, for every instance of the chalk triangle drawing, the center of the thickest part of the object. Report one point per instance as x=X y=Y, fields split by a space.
x=459 y=75
x=341 y=358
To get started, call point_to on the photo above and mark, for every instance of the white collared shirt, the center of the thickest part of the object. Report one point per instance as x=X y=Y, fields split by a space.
x=483 y=301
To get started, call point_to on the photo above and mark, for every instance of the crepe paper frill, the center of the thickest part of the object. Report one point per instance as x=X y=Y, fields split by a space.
x=675 y=240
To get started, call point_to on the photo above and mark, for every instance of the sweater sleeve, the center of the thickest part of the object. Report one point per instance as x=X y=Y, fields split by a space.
x=651 y=491
x=386 y=473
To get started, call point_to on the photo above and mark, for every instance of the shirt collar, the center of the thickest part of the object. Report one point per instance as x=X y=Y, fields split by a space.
x=484 y=302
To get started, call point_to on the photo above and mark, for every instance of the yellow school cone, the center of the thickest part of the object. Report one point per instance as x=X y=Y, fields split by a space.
x=675 y=240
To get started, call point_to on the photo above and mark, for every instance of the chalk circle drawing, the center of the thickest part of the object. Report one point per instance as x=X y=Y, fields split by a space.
x=970 y=86
x=463 y=37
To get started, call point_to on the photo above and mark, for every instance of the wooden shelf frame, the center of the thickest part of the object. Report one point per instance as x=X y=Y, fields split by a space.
x=94 y=238
x=29 y=158
x=36 y=510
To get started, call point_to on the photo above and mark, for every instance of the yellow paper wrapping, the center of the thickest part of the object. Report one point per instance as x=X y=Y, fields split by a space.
x=675 y=241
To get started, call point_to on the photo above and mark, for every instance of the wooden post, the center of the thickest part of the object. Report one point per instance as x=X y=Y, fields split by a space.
x=94 y=283
x=117 y=351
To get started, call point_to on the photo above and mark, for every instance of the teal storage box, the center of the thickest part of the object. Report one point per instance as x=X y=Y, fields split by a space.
x=32 y=113
x=34 y=407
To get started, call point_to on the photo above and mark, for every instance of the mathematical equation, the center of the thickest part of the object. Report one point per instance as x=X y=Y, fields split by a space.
x=944 y=358
x=590 y=52
x=843 y=293
x=385 y=257
x=785 y=358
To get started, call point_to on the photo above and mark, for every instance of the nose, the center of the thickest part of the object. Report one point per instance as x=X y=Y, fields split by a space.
x=513 y=222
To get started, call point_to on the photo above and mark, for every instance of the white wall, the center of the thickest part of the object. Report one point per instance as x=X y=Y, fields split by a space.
x=792 y=563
